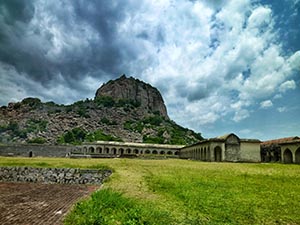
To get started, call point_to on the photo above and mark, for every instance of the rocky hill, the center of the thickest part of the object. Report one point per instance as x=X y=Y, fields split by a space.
x=125 y=109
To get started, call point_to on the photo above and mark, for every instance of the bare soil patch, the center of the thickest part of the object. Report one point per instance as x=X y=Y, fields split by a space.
x=31 y=203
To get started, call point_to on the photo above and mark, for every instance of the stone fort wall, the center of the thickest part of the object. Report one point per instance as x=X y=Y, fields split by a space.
x=53 y=175
x=35 y=150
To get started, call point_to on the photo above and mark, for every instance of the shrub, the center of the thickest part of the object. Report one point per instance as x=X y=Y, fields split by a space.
x=106 y=101
x=38 y=140
x=98 y=135
x=154 y=120
x=153 y=140
x=74 y=136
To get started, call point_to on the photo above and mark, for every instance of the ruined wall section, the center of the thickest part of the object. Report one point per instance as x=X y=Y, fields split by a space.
x=53 y=175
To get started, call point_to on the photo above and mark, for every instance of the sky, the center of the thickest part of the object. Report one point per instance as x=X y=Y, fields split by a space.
x=221 y=66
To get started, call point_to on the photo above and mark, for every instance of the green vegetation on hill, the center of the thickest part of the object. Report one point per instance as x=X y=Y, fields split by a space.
x=174 y=133
x=77 y=135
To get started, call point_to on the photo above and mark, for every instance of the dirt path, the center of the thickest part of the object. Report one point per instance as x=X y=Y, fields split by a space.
x=28 y=203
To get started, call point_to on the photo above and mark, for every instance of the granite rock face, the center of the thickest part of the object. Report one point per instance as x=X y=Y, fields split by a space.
x=125 y=108
x=138 y=91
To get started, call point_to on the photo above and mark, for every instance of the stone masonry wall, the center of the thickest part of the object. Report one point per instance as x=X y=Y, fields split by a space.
x=53 y=175
x=35 y=150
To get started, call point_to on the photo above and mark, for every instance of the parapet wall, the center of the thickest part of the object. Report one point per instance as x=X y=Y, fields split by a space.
x=35 y=150
x=53 y=175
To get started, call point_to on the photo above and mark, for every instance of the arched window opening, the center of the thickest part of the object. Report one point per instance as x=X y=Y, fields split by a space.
x=287 y=156
x=99 y=150
x=218 y=154
x=91 y=150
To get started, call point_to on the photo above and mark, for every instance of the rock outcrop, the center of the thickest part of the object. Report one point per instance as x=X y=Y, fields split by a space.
x=138 y=91
x=125 y=109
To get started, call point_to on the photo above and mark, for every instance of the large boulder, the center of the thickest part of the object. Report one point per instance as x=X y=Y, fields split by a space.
x=133 y=89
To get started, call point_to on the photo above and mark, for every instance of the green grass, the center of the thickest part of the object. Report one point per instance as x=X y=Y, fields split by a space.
x=185 y=192
x=108 y=207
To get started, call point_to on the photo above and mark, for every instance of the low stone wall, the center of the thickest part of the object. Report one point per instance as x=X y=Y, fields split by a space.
x=53 y=175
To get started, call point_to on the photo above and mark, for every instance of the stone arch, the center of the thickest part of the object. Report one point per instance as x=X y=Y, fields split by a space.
x=297 y=156
x=287 y=156
x=99 y=150
x=114 y=151
x=169 y=153
x=91 y=149
x=176 y=153
x=84 y=149
x=147 y=152
x=162 y=152
x=30 y=154
x=128 y=151
x=204 y=154
x=218 y=154
x=136 y=151
x=106 y=150
x=154 y=152
x=121 y=151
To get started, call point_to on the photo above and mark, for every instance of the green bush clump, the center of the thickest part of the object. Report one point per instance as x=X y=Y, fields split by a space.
x=32 y=102
x=74 y=136
x=100 y=136
x=37 y=140
x=155 y=120
x=77 y=135
x=109 y=207
x=34 y=125
x=134 y=126
x=14 y=128
x=153 y=139
x=106 y=101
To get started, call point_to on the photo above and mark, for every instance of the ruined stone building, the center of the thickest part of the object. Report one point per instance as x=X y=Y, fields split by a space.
x=229 y=148
x=285 y=150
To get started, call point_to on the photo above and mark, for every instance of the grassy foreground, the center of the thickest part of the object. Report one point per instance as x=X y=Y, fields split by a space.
x=184 y=192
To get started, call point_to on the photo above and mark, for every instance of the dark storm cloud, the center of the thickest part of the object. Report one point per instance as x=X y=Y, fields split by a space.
x=16 y=48
x=26 y=46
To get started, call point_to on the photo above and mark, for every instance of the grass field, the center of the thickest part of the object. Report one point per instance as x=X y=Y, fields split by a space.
x=184 y=192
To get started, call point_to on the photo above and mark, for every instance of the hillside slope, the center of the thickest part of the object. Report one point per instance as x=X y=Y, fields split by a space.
x=125 y=109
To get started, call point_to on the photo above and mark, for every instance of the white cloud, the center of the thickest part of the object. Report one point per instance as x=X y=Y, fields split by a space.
x=294 y=61
x=282 y=109
x=244 y=40
x=287 y=85
x=266 y=104
x=241 y=115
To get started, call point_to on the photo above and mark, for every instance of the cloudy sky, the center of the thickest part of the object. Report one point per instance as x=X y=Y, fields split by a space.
x=221 y=66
